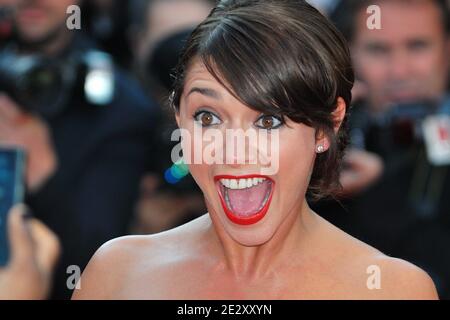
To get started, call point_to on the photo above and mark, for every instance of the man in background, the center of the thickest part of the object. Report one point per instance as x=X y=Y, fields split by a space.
x=403 y=68
x=85 y=158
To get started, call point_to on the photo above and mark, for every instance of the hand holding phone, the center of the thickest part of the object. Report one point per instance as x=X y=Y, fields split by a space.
x=34 y=251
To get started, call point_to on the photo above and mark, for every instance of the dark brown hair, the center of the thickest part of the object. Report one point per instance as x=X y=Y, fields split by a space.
x=280 y=57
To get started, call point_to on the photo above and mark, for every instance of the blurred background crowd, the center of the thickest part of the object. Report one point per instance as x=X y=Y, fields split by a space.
x=90 y=107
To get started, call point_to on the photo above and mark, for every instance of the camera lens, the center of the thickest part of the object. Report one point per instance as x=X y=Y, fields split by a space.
x=40 y=88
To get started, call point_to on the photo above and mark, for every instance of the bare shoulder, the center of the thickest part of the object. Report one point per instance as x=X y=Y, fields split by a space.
x=122 y=262
x=403 y=280
x=372 y=274
x=107 y=270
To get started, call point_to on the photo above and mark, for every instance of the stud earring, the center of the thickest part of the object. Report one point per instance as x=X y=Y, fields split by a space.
x=320 y=148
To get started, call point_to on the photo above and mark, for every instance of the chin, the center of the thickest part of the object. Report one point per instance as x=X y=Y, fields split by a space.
x=32 y=36
x=252 y=237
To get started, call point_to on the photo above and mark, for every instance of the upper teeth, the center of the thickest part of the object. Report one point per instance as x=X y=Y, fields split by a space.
x=241 y=183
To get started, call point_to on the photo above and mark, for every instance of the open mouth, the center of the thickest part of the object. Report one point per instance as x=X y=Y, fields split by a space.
x=31 y=13
x=245 y=199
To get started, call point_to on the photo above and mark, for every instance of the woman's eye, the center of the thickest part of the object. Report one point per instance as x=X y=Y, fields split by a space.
x=206 y=118
x=269 y=122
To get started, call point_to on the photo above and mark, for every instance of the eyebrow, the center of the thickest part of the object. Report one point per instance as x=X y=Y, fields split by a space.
x=206 y=92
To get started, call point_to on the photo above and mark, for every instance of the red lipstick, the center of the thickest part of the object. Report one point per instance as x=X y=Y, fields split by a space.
x=254 y=217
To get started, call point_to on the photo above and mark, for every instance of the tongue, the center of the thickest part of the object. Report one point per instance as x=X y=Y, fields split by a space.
x=246 y=202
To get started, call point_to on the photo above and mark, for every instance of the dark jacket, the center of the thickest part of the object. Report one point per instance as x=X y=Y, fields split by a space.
x=103 y=151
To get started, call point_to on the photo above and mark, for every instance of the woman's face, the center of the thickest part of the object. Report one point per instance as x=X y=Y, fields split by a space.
x=249 y=202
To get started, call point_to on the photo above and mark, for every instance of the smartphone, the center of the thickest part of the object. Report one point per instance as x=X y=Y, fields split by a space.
x=12 y=190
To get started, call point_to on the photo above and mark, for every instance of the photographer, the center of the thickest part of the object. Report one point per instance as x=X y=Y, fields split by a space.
x=88 y=150
x=403 y=66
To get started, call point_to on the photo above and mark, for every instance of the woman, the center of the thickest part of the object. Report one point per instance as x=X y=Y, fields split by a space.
x=279 y=68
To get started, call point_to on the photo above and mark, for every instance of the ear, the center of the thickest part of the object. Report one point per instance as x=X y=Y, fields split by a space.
x=339 y=113
x=177 y=118
x=338 y=116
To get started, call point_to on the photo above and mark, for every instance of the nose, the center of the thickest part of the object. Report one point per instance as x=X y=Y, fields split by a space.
x=400 y=66
x=240 y=145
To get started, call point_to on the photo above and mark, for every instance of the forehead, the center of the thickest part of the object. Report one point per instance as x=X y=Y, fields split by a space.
x=198 y=71
x=198 y=75
x=401 y=20
x=198 y=79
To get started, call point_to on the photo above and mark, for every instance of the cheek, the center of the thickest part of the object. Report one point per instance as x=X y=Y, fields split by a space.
x=297 y=155
x=429 y=65
x=193 y=147
x=372 y=71
x=200 y=173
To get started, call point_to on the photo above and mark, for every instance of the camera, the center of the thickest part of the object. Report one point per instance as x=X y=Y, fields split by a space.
x=43 y=85
x=34 y=82
x=400 y=127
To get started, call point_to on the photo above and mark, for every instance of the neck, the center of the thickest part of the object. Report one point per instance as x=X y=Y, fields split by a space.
x=282 y=250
